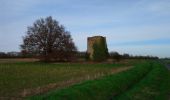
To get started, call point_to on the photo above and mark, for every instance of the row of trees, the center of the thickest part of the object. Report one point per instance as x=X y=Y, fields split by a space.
x=78 y=55
x=10 y=55
x=116 y=56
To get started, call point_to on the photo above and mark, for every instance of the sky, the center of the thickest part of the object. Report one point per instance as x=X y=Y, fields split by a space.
x=137 y=27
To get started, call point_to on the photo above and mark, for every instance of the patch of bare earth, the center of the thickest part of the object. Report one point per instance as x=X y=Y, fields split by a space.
x=67 y=83
x=13 y=60
x=11 y=98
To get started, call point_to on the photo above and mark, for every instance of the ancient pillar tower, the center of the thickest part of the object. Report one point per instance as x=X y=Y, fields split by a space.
x=95 y=40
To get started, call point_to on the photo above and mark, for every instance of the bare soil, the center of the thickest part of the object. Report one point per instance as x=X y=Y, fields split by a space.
x=13 y=60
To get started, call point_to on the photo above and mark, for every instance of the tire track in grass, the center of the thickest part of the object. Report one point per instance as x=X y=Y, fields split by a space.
x=103 y=88
x=155 y=86
x=67 y=83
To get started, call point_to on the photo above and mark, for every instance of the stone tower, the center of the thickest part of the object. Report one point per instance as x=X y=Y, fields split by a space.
x=100 y=40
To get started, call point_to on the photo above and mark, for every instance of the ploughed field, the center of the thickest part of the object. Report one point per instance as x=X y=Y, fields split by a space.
x=22 y=79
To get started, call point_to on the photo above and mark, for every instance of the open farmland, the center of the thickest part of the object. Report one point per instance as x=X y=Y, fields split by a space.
x=154 y=86
x=21 y=79
x=145 y=81
x=129 y=79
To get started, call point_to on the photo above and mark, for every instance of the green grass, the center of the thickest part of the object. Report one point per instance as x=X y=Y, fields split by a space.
x=155 y=86
x=147 y=80
x=100 y=89
x=16 y=77
x=167 y=61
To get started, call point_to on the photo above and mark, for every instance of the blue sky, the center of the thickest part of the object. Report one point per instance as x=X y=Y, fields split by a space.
x=138 y=27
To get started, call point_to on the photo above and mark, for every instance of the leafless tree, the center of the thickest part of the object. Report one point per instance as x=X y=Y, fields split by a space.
x=49 y=40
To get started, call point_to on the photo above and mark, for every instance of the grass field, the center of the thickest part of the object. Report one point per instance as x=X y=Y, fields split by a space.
x=146 y=81
x=100 y=89
x=167 y=61
x=21 y=79
x=127 y=80
x=155 y=86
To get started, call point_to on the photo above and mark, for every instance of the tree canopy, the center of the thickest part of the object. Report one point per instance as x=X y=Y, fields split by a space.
x=49 y=40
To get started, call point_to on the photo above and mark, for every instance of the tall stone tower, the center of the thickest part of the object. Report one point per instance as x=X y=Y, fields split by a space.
x=98 y=40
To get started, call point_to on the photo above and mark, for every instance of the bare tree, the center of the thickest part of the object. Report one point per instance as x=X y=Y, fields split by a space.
x=49 y=40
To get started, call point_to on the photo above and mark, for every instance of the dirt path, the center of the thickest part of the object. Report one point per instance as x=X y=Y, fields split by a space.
x=14 y=60
x=168 y=67
x=64 y=84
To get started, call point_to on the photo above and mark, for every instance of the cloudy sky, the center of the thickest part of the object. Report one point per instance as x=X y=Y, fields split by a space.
x=138 y=27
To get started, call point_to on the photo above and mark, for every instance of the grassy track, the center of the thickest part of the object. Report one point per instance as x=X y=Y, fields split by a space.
x=22 y=79
x=155 y=86
x=100 y=89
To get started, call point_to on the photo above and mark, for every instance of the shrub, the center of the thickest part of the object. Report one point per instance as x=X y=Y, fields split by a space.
x=100 y=51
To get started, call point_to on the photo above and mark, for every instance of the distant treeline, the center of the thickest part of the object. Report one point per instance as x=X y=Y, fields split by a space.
x=84 y=55
x=117 y=56
x=15 y=55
